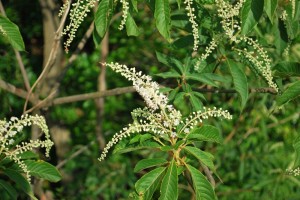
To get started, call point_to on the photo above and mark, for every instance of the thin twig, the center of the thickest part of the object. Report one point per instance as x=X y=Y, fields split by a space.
x=75 y=154
x=16 y=91
x=52 y=54
x=208 y=175
x=18 y=57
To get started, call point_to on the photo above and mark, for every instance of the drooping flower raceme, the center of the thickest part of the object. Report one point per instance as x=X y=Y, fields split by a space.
x=143 y=84
x=158 y=118
x=9 y=132
x=192 y=18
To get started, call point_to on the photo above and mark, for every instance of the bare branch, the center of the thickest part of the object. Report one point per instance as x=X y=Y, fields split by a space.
x=52 y=55
x=16 y=91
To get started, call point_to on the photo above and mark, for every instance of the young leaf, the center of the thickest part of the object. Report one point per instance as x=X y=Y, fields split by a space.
x=131 y=27
x=103 y=16
x=205 y=133
x=204 y=157
x=12 y=33
x=251 y=13
x=202 y=187
x=290 y=93
x=20 y=181
x=239 y=81
x=44 y=170
x=147 y=185
x=162 y=18
x=10 y=190
x=270 y=8
x=151 y=162
x=169 y=185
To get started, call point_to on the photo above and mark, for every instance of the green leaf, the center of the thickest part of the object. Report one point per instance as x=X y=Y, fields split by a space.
x=149 y=182
x=170 y=61
x=28 y=155
x=169 y=74
x=287 y=69
x=134 y=4
x=202 y=187
x=251 y=13
x=270 y=8
x=103 y=16
x=204 y=157
x=131 y=27
x=289 y=94
x=162 y=18
x=123 y=147
x=10 y=190
x=20 y=181
x=203 y=78
x=206 y=133
x=12 y=33
x=169 y=185
x=239 y=81
x=44 y=170
x=147 y=163
x=195 y=101
x=296 y=146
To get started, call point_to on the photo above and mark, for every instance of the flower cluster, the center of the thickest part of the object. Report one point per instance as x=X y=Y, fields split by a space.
x=9 y=132
x=125 y=7
x=259 y=57
x=78 y=12
x=293 y=172
x=158 y=118
x=63 y=9
x=192 y=18
x=143 y=84
x=208 y=51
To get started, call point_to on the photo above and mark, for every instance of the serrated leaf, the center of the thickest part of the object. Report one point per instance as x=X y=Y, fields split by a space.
x=28 y=155
x=169 y=185
x=103 y=16
x=287 y=69
x=202 y=187
x=296 y=146
x=204 y=157
x=10 y=190
x=131 y=27
x=170 y=62
x=206 y=133
x=12 y=33
x=270 y=8
x=169 y=74
x=240 y=81
x=147 y=163
x=149 y=182
x=20 y=181
x=125 y=148
x=162 y=18
x=203 y=78
x=44 y=170
x=251 y=13
x=289 y=94
x=196 y=103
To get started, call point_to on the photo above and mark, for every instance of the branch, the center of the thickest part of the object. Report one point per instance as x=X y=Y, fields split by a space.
x=16 y=91
x=80 y=97
x=18 y=57
x=52 y=55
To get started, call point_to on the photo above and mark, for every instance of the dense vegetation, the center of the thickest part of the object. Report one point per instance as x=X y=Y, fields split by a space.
x=223 y=122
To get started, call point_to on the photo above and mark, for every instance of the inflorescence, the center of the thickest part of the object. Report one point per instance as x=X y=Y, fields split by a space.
x=9 y=132
x=157 y=118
